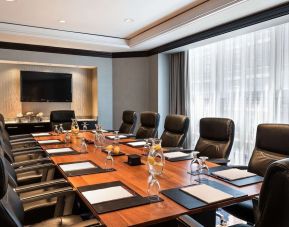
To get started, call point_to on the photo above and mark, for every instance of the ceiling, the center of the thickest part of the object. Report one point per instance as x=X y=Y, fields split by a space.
x=116 y=25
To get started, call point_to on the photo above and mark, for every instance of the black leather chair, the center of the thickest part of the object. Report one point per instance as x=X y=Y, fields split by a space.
x=13 y=214
x=149 y=125
x=273 y=205
x=176 y=128
x=129 y=119
x=62 y=117
x=272 y=144
x=216 y=139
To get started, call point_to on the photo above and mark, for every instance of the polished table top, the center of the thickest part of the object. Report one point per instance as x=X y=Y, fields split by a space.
x=136 y=177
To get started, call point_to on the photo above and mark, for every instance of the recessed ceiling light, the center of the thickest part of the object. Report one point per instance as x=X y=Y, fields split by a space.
x=62 y=21
x=10 y=0
x=128 y=20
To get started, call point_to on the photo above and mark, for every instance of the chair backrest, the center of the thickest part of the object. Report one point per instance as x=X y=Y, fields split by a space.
x=129 y=119
x=176 y=128
x=2 y=119
x=149 y=125
x=11 y=208
x=273 y=203
x=62 y=117
x=216 y=137
x=272 y=144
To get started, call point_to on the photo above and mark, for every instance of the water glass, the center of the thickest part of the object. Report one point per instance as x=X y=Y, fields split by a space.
x=108 y=163
x=195 y=164
x=56 y=131
x=153 y=188
x=67 y=138
x=83 y=146
x=204 y=169
x=84 y=127
x=61 y=130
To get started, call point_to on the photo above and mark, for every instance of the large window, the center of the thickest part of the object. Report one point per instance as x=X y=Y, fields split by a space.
x=245 y=78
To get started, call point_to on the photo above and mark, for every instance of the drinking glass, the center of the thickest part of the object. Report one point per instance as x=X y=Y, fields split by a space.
x=108 y=161
x=56 y=131
x=83 y=146
x=84 y=127
x=153 y=188
x=67 y=138
x=61 y=130
x=195 y=164
x=146 y=147
x=204 y=169
x=99 y=139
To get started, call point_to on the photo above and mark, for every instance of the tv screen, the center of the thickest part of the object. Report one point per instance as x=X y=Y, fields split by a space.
x=45 y=87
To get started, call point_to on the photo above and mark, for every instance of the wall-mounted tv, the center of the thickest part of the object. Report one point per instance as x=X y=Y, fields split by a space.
x=45 y=87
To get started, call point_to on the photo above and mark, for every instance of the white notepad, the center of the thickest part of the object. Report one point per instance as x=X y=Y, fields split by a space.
x=48 y=141
x=106 y=194
x=59 y=150
x=136 y=144
x=65 y=131
x=207 y=193
x=40 y=134
x=233 y=174
x=77 y=166
x=176 y=154
x=102 y=130
x=119 y=136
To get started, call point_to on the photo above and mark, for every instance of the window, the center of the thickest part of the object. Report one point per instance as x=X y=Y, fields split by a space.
x=245 y=78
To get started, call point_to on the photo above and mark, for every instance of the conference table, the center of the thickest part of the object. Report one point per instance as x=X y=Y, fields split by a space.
x=136 y=177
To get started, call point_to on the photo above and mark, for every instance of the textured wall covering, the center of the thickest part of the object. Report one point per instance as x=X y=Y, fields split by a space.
x=82 y=94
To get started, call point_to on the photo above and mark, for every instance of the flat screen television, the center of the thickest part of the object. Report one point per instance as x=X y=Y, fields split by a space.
x=45 y=87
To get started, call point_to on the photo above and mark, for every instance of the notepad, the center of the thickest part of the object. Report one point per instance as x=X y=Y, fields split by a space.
x=176 y=154
x=119 y=136
x=106 y=194
x=40 y=134
x=77 y=166
x=206 y=193
x=136 y=144
x=102 y=130
x=59 y=150
x=233 y=174
x=65 y=131
x=48 y=141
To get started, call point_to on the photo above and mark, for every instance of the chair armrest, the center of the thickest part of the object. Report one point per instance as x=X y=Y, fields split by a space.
x=20 y=136
x=41 y=185
x=88 y=223
x=23 y=143
x=47 y=194
x=30 y=162
x=14 y=150
x=220 y=161
x=34 y=167
x=39 y=151
x=186 y=220
x=239 y=167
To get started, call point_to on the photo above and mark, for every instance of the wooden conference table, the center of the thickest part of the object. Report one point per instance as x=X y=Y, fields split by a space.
x=136 y=177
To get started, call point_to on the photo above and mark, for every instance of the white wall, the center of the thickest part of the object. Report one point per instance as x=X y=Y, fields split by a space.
x=131 y=86
x=104 y=74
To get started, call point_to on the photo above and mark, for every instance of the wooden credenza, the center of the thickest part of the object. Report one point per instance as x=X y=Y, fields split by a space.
x=15 y=128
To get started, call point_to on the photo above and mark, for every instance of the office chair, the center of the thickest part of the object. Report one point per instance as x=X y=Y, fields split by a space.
x=62 y=117
x=273 y=205
x=12 y=211
x=216 y=139
x=129 y=119
x=272 y=144
x=149 y=125
x=176 y=128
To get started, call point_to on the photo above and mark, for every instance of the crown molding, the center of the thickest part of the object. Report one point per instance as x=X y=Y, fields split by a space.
x=253 y=19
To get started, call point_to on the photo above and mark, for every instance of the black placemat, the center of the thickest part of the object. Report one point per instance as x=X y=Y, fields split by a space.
x=190 y=202
x=73 y=173
x=117 y=204
x=113 y=154
x=239 y=183
x=73 y=152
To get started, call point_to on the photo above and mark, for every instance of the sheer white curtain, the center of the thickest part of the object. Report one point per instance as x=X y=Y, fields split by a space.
x=245 y=78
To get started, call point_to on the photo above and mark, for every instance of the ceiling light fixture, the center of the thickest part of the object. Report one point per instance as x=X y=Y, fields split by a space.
x=10 y=0
x=62 y=21
x=128 y=20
